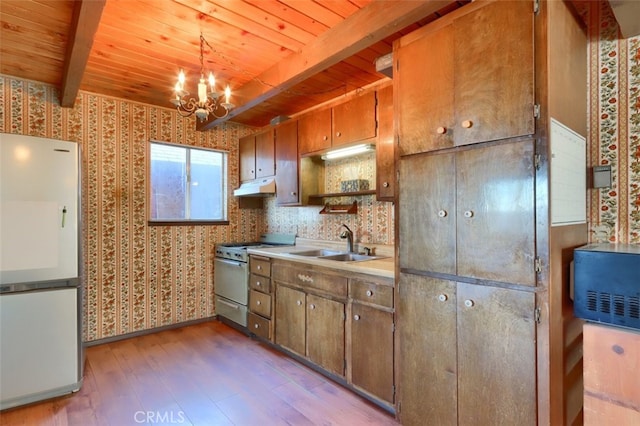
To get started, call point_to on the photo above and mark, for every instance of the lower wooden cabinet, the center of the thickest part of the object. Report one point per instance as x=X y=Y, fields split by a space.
x=325 y=333
x=291 y=319
x=311 y=326
x=311 y=306
x=466 y=353
x=371 y=360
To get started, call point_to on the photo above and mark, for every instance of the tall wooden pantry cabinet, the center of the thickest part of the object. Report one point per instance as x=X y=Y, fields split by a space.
x=485 y=327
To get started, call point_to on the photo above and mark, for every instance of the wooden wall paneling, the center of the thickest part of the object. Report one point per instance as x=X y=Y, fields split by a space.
x=611 y=365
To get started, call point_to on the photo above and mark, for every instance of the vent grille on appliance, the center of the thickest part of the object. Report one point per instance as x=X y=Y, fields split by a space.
x=623 y=306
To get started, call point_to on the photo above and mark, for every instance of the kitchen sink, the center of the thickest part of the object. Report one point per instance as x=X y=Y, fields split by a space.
x=350 y=257
x=317 y=253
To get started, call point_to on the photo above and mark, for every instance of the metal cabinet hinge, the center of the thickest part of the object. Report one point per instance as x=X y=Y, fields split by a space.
x=393 y=327
x=538 y=265
x=537 y=161
x=536 y=6
x=536 y=111
x=536 y=315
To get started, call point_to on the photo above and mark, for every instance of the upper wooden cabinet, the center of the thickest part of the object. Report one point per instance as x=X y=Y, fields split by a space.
x=257 y=156
x=349 y=122
x=287 y=177
x=385 y=147
x=467 y=214
x=469 y=81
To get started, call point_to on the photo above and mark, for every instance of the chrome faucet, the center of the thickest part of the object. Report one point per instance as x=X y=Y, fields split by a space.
x=348 y=234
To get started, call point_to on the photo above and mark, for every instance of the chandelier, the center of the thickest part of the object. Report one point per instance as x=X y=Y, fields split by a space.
x=208 y=102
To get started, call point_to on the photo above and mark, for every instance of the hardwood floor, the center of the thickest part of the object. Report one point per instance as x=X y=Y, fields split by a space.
x=204 y=374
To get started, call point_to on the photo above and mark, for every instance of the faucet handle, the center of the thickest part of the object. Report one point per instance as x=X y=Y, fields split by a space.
x=369 y=250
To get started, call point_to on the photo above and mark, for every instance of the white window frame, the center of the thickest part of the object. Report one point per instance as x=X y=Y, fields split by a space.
x=187 y=220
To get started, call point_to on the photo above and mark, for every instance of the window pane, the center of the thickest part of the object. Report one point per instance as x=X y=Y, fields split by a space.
x=187 y=184
x=168 y=182
x=207 y=196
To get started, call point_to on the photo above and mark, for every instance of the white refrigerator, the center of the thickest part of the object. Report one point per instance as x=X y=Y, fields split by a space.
x=40 y=281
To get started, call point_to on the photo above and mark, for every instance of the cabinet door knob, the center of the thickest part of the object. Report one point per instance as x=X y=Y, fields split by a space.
x=469 y=303
x=258 y=283
x=338 y=134
x=324 y=138
x=442 y=298
x=259 y=267
x=259 y=170
x=312 y=306
x=442 y=213
x=369 y=293
x=293 y=193
x=299 y=302
x=468 y=213
x=467 y=124
x=385 y=184
x=258 y=302
x=256 y=326
x=356 y=317
x=441 y=130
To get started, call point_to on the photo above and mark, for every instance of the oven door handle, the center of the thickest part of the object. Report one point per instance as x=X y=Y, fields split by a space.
x=231 y=262
x=231 y=305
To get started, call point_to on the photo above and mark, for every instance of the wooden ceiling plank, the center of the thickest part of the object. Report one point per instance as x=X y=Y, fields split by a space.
x=86 y=17
x=218 y=11
x=290 y=15
x=275 y=23
x=320 y=13
x=342 y=8
x=367 y=26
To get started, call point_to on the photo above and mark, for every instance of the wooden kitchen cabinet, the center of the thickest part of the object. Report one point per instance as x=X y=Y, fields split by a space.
x=311 y=326
x=310 y=314
x=346 y=123
x=477 y=346
x=457 y=206
x=371 y=360
x=314 y=131
x=291 y=319
x=354 y=120
x=385 y=147
x=287 y=171
x=325 y=333
x=257 y=156
x=260 y=315
x=475 y=207
x=473 y=81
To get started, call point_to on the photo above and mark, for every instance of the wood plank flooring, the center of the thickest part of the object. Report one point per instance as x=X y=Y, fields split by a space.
x=204 y=374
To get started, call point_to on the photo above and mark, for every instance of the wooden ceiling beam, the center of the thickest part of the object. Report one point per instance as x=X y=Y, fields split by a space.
x=373 y=23
x=86 y=18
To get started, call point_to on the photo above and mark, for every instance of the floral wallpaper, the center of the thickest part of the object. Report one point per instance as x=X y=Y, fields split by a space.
x=614 y=126
x=137 y=276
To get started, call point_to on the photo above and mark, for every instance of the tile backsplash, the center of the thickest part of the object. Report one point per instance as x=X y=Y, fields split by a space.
x=373 y=223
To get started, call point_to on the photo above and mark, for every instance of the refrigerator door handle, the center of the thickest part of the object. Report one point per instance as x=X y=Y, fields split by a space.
x=64 y=215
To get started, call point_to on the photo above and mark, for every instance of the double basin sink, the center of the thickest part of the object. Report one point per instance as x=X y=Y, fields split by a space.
x=339 y=256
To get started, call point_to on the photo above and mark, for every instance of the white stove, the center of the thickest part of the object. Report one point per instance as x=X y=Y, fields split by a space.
x=231 y=275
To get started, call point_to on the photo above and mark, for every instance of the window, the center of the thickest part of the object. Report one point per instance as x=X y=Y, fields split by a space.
x=187 y=184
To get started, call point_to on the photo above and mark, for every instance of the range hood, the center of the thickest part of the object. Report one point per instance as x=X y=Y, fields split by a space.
x=256 y=188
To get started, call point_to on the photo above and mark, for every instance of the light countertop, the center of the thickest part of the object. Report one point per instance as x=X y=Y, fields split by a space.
x=379 y=267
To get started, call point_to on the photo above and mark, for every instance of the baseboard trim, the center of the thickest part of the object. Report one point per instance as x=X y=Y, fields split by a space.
x=147 y=331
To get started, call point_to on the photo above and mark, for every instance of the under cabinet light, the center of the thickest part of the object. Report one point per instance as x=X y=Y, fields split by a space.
x=349 y=151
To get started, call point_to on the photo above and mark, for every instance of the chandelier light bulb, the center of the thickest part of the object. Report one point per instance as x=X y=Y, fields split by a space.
x=209 y=102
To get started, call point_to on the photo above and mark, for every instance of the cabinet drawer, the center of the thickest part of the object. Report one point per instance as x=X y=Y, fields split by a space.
x=369 y=292
x=333 y=284
x=259 y=326
x=260 y=303
x=260 y=267
x=260 y=283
